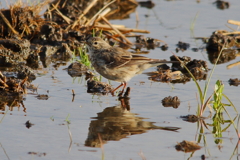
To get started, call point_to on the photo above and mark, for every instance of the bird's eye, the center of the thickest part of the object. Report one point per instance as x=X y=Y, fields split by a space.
x=95 y=43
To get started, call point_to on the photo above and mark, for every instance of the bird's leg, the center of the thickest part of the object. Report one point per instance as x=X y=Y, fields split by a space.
x=122 y=84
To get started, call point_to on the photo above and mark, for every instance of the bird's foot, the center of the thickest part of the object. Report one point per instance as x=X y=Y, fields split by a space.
x=120 y=94
x=112 y=93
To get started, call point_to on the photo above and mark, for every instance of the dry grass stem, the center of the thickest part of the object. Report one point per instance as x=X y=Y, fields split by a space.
x=68 y=20
x=84 y=12
x=116 y=30
x=96 y=15
x=8 y=24
x=106 y=27
x=103 y=14
x=234 y=22
x=229 y=33
x=233 y=65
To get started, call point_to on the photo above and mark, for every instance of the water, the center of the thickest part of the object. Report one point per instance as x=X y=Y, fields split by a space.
x=169 y=21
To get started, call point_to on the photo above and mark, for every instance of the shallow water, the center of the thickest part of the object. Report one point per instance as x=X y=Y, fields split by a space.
x=169 y=21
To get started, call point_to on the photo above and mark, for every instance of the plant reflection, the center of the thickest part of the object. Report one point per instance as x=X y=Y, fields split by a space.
x=117 y=122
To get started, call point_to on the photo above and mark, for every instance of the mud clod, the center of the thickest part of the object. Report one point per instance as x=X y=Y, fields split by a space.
x=187 y=146
x=13 y=51
x=148 y=4
x=98 y=87
x=23 y=21
x=164 y=47
x=198 y=68
x=182 y=46
x=222 y=38
x=25 y=72
x=146 y=42
x=221 y=4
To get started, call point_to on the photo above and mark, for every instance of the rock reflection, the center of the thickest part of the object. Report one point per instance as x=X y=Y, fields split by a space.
x=11 y=104
x=117 y=122
x=226 y=55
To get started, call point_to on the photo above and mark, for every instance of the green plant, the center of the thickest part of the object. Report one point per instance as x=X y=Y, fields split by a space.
x=219 y=107
x=84 y=59
x=52 y=118
x=67 y=120
x=74 y=58
x=214 y=101
x=218 y=94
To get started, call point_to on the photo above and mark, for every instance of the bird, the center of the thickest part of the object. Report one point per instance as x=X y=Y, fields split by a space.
x=117 y=64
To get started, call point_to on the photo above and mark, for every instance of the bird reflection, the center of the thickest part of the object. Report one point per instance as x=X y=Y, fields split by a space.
x=117 y=122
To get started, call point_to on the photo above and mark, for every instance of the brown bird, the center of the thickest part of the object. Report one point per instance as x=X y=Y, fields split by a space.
x=117 y=64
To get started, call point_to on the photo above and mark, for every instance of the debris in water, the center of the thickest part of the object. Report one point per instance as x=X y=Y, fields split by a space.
x=187 y=146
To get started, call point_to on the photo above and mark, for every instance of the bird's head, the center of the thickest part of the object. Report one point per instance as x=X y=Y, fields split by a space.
x=96 y=43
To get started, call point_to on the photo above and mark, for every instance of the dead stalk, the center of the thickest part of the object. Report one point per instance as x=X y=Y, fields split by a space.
x=8 y=24
x=68 y=20
x=116 y=30
x=96 y=15
x=83 y=14
x=106 y=27
x=234 y=22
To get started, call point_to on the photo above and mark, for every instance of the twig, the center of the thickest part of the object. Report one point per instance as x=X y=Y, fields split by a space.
x=106 y=27
x=237 y=32
x=84 y=12
x=8 y=24
x=232 y=65
x=234 y=22
x=95 y=16
x=68 y=20
x=116 y=30
x=116 y=39
x=103 y=14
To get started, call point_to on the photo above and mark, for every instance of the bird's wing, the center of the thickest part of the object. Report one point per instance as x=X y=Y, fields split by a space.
x=137 y=59
x=117 y=57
